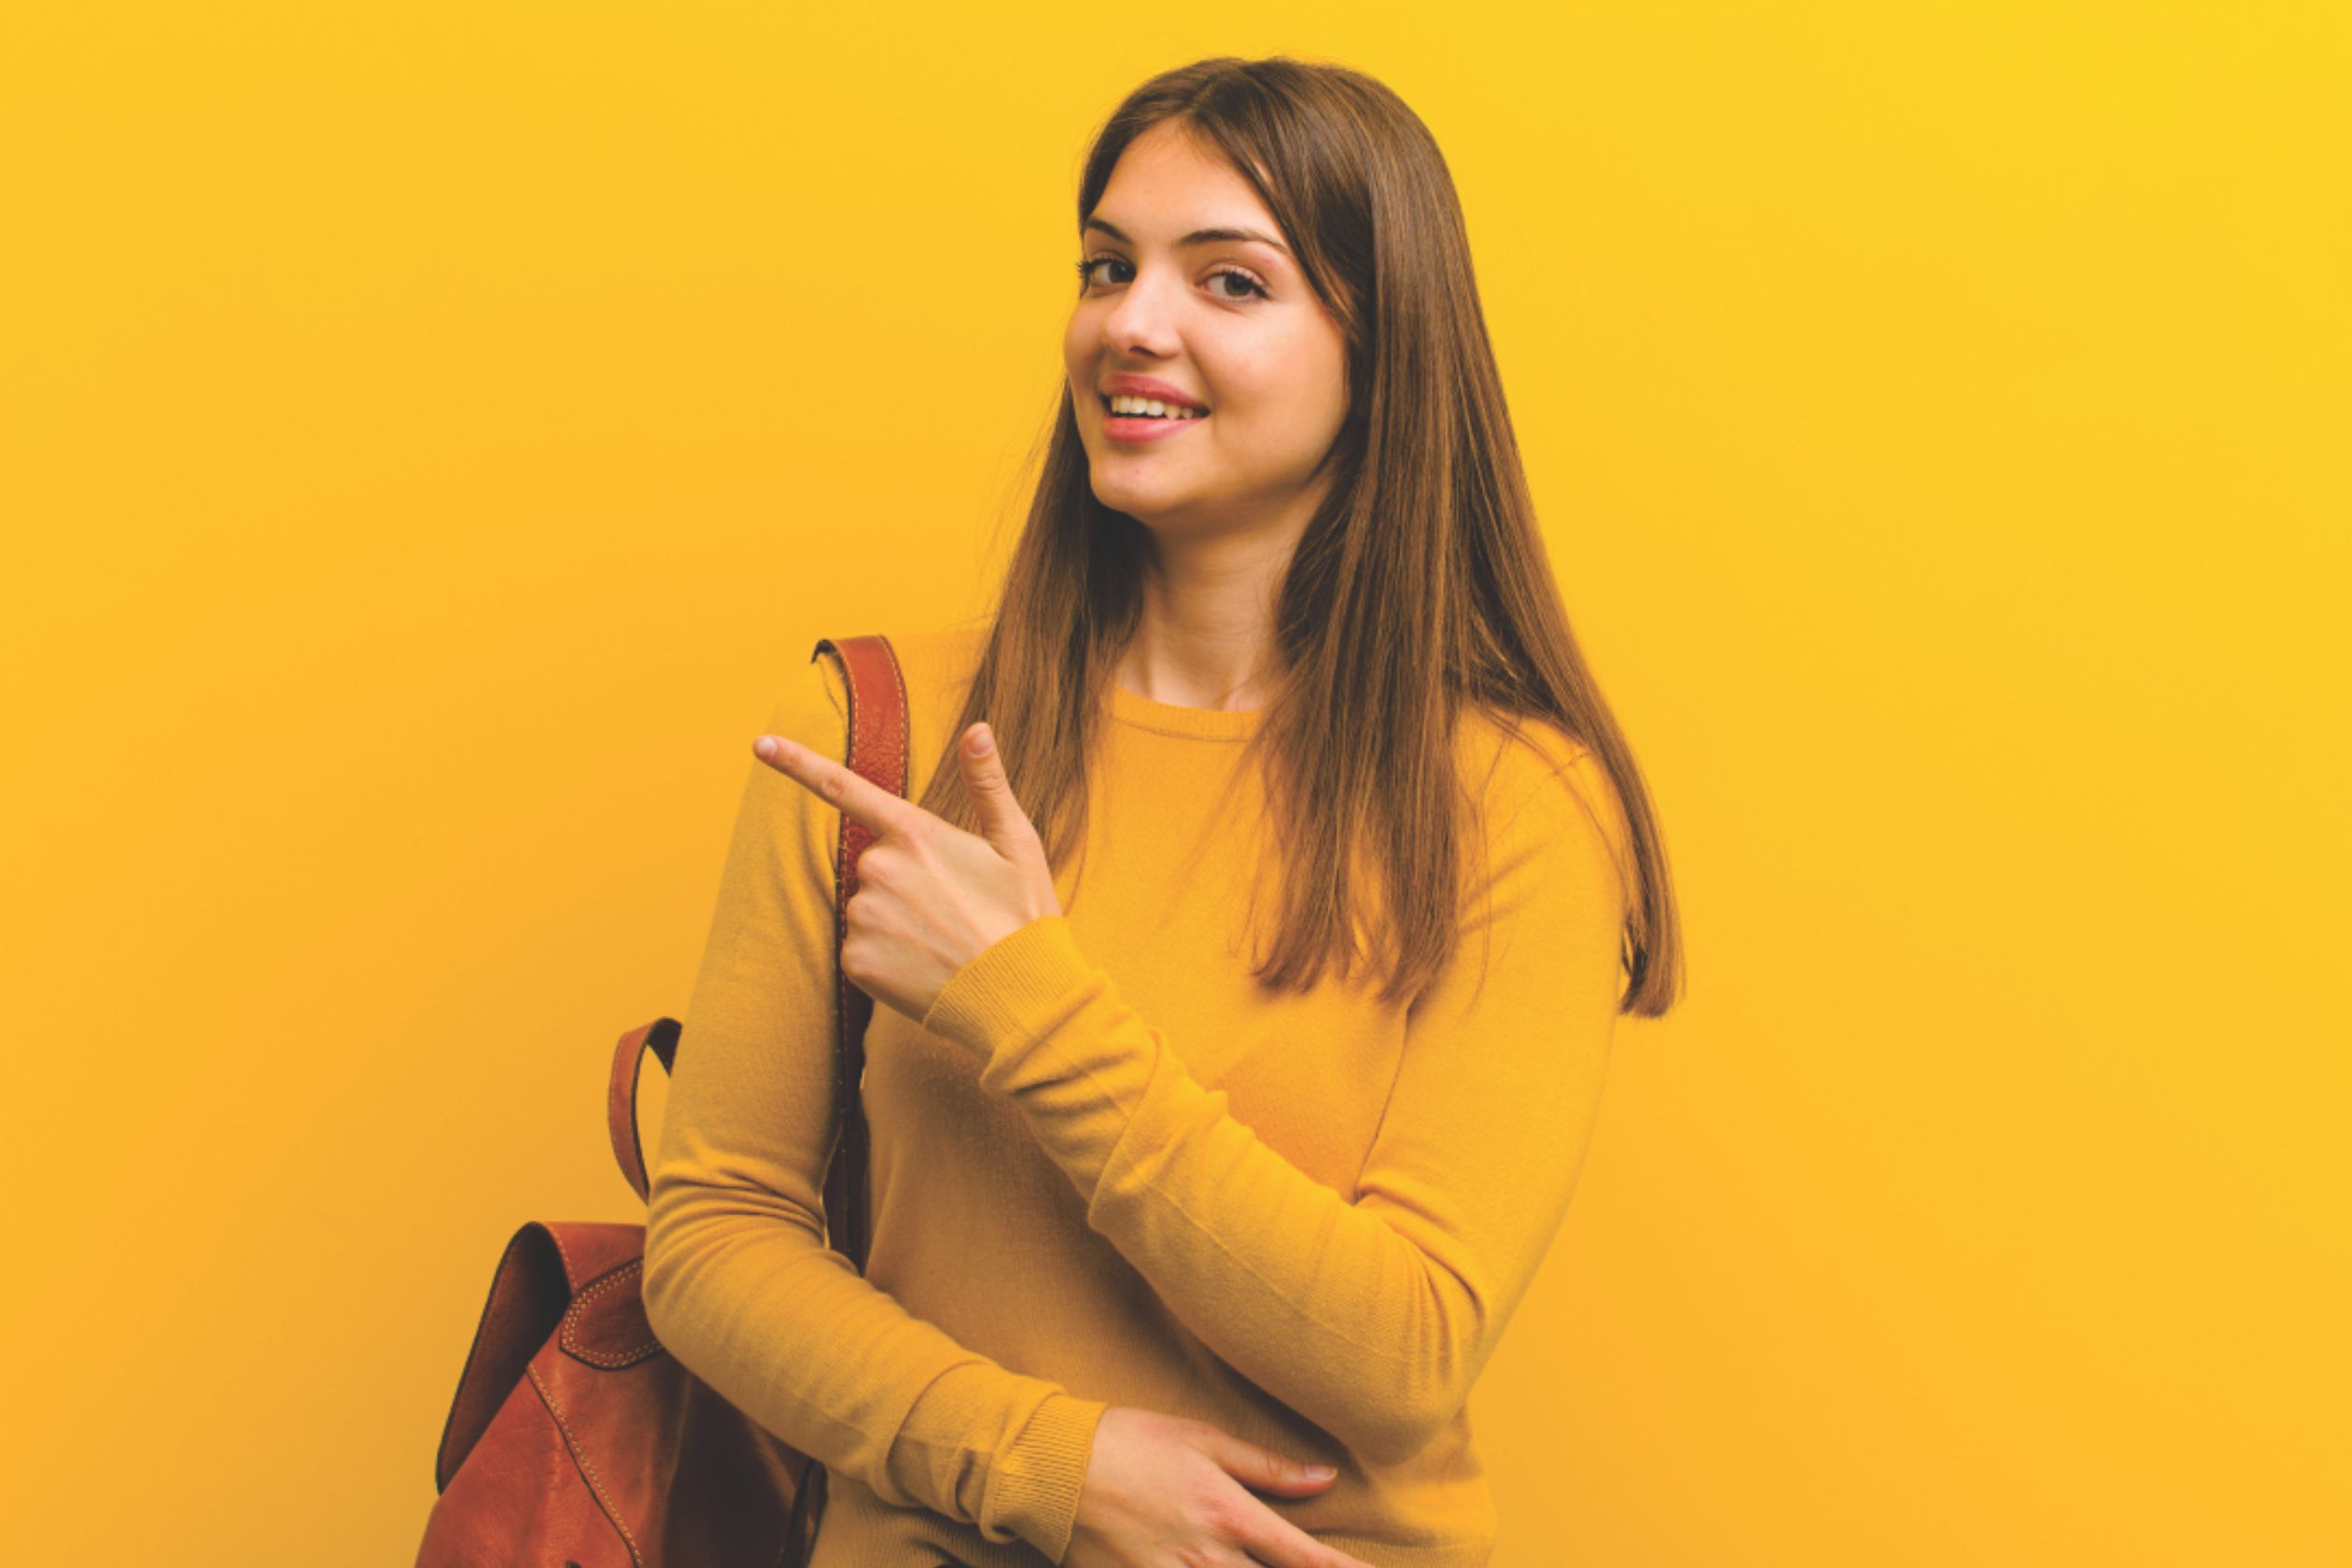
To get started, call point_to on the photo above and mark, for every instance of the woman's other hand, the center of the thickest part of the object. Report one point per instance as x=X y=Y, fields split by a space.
x=1166 y=1492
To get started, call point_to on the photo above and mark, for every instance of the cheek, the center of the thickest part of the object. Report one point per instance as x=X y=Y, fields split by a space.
x=1280 y=405
x=1287 y=404
x=1289 y=381
x=1081 y=336
x=1078 y=367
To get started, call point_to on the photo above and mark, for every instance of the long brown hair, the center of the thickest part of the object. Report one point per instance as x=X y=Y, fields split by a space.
x=1421 y=586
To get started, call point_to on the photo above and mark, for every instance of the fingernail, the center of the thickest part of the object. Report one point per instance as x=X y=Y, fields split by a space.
x=1320 y=1471
x=765 y=746
x=982 y=742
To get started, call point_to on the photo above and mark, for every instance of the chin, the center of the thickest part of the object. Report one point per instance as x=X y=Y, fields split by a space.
x=1138 y=508
x=1143 y=504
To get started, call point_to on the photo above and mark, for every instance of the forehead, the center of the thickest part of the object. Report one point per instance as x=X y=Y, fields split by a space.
x=1167 y=182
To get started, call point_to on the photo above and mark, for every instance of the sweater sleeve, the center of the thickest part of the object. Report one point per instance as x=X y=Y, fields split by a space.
x=738 y=1285
x=1371 y=1314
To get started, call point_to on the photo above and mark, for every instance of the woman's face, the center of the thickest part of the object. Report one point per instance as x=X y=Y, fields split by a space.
x=1227 y=322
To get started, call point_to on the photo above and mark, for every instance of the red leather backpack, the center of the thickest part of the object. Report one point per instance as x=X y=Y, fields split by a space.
x=575 y=1440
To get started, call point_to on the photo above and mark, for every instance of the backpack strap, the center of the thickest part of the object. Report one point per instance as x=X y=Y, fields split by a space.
x=878 y=752
x=879 y=748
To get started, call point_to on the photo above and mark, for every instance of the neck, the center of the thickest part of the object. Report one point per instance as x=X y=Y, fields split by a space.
x=1206 y=635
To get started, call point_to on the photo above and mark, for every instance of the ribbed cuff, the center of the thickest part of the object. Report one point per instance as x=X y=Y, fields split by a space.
x=1038 y=1484
x=1018 y=987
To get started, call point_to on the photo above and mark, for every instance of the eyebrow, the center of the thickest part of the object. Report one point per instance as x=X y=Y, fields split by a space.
x=1198 y=236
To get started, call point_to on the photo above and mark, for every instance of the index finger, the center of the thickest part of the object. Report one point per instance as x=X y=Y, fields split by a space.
x=854 y=793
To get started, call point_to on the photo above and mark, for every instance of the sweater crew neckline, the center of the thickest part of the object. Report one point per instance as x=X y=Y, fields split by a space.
x=1206 y=723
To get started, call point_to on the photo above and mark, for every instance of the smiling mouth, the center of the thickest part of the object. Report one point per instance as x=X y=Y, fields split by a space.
x=1188 y=417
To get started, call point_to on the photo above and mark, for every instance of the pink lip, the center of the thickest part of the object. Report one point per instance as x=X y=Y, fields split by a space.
x=1135 y=430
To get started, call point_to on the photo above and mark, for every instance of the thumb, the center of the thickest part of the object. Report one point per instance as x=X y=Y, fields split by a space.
x=1002 y=822
x=1263 y=1469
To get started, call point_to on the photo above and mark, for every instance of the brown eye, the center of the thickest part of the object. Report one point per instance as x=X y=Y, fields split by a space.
x=1252 y=286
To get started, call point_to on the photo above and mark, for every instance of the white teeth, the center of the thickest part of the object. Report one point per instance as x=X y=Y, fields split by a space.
x=1122 y=403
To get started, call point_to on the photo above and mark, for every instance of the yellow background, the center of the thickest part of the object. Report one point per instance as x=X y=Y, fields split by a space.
x=431 y=435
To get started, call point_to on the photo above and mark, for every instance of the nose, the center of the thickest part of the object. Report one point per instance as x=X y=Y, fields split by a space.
x=1144 y=321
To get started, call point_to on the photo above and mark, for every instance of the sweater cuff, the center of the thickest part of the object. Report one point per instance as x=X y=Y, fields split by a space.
x=1016 y=989
x=1038 y=1484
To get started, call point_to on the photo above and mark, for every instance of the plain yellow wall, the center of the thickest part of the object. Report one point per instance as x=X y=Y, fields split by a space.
x=431 y=435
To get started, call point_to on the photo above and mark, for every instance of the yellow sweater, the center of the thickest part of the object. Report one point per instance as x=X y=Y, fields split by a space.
x=1107 y=1170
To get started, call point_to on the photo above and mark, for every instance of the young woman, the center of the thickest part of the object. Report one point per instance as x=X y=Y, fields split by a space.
x=1239 y=1159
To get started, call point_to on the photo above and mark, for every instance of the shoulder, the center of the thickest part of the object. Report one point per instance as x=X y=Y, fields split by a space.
x=1542 y=791
x=936 y=664
x=1506 y=759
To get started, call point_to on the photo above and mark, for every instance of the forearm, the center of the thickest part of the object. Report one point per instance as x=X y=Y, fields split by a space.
x=1365 y=1318
x=788 y=1332
x=1370 y=1313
